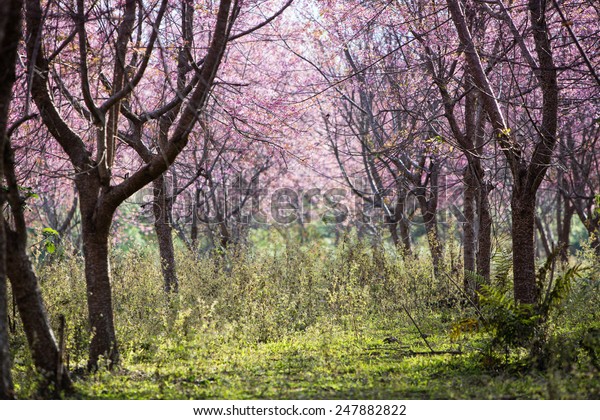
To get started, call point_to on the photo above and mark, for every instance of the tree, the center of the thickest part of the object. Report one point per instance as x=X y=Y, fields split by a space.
x=378 y=124
x=16 y=262
x=98 y=186
x=456 y=89
x=527 y=175
x=10 y=34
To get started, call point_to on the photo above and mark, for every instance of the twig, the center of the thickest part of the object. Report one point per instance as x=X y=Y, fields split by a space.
x=473 y=304
x=418 y=329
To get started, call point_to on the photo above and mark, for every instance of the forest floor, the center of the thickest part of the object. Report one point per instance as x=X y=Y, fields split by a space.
x=321 y=323
x=331 y=365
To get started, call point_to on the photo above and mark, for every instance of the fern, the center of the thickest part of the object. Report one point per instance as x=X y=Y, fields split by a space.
x=511 y=324
x=557 y=294
x=503 y=264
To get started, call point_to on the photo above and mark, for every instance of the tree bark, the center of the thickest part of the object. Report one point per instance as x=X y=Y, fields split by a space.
x=527 y=177
x=543 y=237
x=484 y=234
x=10 y=33
x=431 y=227
x=402 y=220
x=565 y=211
x=164 y=234
x=99 y=196
x=428 y=203
x=393 y=228
x=25 y=287
x=469 y=243
x=99 y=295
x=405 y=235
x=7 y=390
x=96 y=220
x=523 y=243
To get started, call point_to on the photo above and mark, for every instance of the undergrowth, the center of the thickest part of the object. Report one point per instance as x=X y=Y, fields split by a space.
x=351 y=321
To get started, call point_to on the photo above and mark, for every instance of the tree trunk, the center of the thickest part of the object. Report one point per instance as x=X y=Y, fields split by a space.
x=548 y=247
x=484 y=234
x=99 y=298
x=564 y=214
x=10 y=34
x=402 y=221
x=435 y=247
x=164 y=233
x=7 y=391
x=469 y=242
x=194 y=227
x=564 y=232
x=42 y=343
x=523 y=244
x=405 y=235
x=95 y=227
x=26 y=289
x=592 y=224
x=393 y=228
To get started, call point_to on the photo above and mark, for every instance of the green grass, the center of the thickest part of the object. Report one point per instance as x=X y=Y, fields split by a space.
x=324 y=365
x=307 y=323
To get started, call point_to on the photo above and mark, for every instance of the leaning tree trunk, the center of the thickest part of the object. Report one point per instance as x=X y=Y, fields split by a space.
x=164 y=234
x=523 y=244
x=6 y=384
x=25 y=287
x=42 y=343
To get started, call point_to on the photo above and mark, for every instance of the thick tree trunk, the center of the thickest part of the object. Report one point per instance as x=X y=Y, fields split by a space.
x=523 y=244
x=164 y=234
x=42 y=343
x=224 y=235
x=95 y=228
x=10 y=34
x=99 y=295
